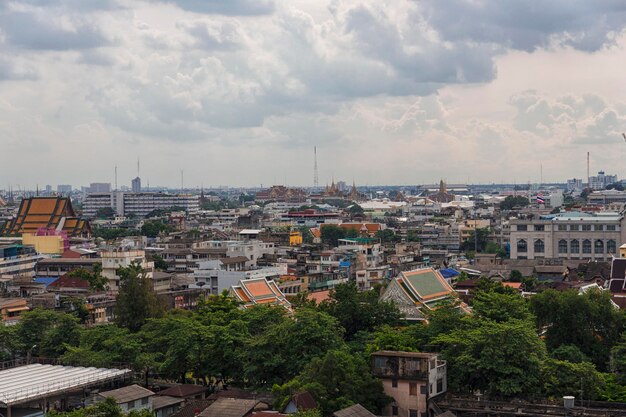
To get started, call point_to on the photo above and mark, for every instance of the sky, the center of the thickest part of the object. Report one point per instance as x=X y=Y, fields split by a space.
x=239 y=92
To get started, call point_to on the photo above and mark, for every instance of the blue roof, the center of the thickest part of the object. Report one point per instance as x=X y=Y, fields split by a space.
x=449 y=272
x=46 y=280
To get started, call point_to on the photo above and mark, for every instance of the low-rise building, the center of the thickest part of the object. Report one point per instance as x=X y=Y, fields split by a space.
x=411 y=379
x=130 y=398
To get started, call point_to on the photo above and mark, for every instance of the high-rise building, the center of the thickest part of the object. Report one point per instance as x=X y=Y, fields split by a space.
x=64 y=189
x=99 y=187
x=136 y=185
x=574 y=184
x=600 y=181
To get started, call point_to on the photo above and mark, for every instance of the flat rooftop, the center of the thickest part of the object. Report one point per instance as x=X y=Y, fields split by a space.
x=24 y=384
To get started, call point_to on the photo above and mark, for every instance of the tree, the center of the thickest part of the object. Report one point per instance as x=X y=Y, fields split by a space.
x=588 y=321
x=386 y=236
x=160 y=263
x=47 y=333
x=566 y=378
x=515 y=276
x=96 y=281
x=569 y=353
x=500 y=307
x=331 y=234
x=307 y=236
x=359 y=311
x=355 y=210
x=501 y=359
x=336 y=380
x=390 y=338
x=105 y=213
x=154 y=228
x=8 y=343
x=511 y=202
x=618 y=358
x=615 y=186
x=477 y=239
x=136 y=300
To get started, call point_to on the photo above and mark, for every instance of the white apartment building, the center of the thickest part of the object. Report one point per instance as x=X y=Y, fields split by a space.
x=18 y=260
x=140 y=204
x=215 y=276
x=570 y=235
x=112 y=260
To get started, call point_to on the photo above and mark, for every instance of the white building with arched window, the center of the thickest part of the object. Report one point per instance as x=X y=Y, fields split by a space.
x=571 y=235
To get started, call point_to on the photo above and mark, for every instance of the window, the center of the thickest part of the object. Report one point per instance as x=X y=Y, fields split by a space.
x=522 y=227
x=394 y=383
x=539 y=228
x=586 y=246
x=144 y=401
x=574 y=227
x=439 y=385
x=610 y=227
x=574 y=246
x=522 y=246
x=538 y=246
x=562 y=227
x=562 y=246
x=587 y=228
x=611 y=246
x=412 y=388
x=412 y=413
x=598 y=247
x=131 y=404
x=394 y=410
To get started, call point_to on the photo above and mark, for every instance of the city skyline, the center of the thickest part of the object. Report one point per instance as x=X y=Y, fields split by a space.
x=240 y=92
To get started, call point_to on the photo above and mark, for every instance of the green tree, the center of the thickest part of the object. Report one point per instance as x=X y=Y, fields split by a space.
x=336 y=380
x=477 y=239
x=105 y=213
x=588 y=321
x=566 y=378
x=569 y=353
x=136 y=300
x=501 y=307
x=96 y=281
x=160 y=263
x=515 y=276
x=501 y=359
x=618 y=358
x=47 y=333
x=8 y=343
x=154 y=228
x=391 y=338
x=359 y=311
x=331 y=234
x=386 y=236
x=511 y=202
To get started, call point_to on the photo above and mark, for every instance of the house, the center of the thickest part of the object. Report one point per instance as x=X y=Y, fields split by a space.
x=415 y=292
x=132 y=397
x=165 y=406
x=231 y=407
x=186 y=391
x=411 y=379
x=11 y=309
x=301 y=401
x=356 y=410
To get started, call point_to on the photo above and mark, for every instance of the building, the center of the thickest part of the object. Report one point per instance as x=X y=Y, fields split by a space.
x=18 y=260
x=47 y=241
x=113 y=260
x=99 y=187
x=64 y=189
x=11 y=310
x=256 y=291
x=574 y=184
x=411 y=379
x=570 y=235
x=356 y=410
x=219 y=275
x=57 y=267
x=138 y=203
x=130 y=398
x=415 y=292
x=136 y=185
x=600 y=181
x=36 y=213
x=605 y=197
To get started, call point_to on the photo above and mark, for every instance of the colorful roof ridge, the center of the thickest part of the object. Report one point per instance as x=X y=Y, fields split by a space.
x=46 y=212
x=259 y=291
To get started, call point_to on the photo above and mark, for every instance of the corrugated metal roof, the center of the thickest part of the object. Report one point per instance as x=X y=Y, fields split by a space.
x=31 y=382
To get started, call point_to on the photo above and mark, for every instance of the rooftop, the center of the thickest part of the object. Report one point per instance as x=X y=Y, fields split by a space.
x=31 y=382
x=127 y=394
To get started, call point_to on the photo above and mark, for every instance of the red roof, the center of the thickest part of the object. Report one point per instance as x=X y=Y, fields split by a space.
x=67 y=281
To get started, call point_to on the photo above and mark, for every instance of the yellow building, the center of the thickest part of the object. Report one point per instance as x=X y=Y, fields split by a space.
x=49 y=245
x=295 y=238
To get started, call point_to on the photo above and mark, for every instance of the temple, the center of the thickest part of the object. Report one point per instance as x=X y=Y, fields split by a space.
x=37 y=213
x=259 y=291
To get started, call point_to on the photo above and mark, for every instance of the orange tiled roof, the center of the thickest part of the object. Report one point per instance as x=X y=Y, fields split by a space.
x=46 y=212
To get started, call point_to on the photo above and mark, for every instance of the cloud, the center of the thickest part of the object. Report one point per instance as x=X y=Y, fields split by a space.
x=227 y=7
x=528 y=24
x=9 y=70
x=40 y=31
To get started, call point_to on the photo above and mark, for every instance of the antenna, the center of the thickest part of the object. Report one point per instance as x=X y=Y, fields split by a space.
x=540 y=174
x=182 y=182
x=137 y=166
x=315 y=176
x=588 y=173
x=115 y=177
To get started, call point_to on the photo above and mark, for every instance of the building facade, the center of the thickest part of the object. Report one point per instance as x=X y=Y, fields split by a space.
x=572 y=235
x=137 y=203
x=411 y=379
